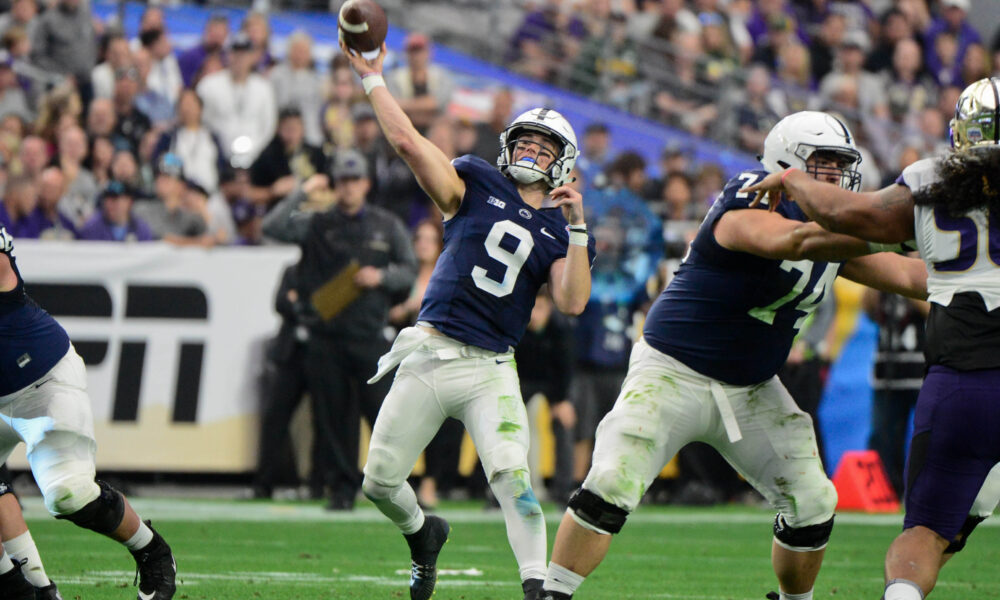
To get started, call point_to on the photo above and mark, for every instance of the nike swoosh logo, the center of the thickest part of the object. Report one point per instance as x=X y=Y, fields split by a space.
x=547 y=234
x=38 y=385
x=503 y=362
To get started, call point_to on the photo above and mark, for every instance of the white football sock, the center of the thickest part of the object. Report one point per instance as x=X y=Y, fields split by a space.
x=140 y=539
x=786 y=596
x=525 y=522
x=398 y=503
x=6 y=564
x=561 y=579
x=23 y=550
x=903 y=589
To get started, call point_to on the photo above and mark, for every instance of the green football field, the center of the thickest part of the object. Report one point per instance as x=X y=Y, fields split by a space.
x=251 y=549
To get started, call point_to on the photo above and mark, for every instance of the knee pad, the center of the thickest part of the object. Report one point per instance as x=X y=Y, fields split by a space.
x=383 y=468
x=103 y=515
x=6 y=481
x=506 y=456
x=596 y=514
x=956 y=545
x=69 y=494
x=802 y=539
x=375 y=491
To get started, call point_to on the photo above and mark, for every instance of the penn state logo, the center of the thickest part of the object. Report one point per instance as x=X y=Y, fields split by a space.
x=525 y=213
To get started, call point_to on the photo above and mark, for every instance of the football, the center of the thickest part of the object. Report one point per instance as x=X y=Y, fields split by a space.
x=362 y=26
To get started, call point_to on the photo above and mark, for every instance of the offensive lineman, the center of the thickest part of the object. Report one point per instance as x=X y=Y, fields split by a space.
x=705 y=368
x=500 y=245
x=44 y=403
x=951 y=206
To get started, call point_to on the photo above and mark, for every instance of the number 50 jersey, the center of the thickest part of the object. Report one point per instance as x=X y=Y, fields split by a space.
x=497 y=253
x=732 y=315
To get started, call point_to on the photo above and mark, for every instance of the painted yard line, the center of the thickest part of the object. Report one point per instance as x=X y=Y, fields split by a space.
x=215 y=510
x=186 y=578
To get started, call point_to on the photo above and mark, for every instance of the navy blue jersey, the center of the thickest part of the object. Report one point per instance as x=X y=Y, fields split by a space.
x=497 y=253
x=31 y=341
x=732 y=315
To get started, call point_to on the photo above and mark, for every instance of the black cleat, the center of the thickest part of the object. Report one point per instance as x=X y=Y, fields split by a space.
x=49 y=592
x=156 y=570
x=13 y=585
x=532 y=588
x=772 y=596
x=424 y=547
x=547 y=595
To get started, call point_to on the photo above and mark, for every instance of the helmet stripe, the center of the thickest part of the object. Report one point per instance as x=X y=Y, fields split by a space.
x=847 y=133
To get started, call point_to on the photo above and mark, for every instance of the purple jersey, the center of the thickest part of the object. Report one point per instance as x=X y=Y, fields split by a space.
x=497 y=253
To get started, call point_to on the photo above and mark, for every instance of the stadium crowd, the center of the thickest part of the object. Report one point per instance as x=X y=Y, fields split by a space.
x=103 y=137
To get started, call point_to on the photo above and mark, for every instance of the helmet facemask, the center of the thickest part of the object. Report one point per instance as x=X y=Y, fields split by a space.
x=526 y=170
x=844 y=169
x=559 y=143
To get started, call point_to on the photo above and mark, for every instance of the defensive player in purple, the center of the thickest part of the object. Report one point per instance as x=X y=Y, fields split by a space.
x=705 y=367
x=951 y=206
x=44 y=403
x=507 y=232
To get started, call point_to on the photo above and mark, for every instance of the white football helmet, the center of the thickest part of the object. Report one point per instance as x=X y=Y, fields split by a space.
x=551 y=124
x=977 y=115
x=798 y=136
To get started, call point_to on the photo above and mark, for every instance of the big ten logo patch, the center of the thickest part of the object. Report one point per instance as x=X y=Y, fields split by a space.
x=150 y=315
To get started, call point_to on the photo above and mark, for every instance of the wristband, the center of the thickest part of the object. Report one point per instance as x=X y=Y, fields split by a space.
x=578 y=238
x=876 y=247
x=785 y=174
x=370 y=81
x=582 y=228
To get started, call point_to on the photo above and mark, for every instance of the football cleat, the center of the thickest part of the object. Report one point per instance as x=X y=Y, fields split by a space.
x=772 y=596
x=532 y=588
x=155 y=569
x=49 y=592
x=547 y=595
x=13 y=585
x=424 y=548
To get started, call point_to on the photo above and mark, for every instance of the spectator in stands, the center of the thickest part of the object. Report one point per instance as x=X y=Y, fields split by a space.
x=12 y=97
x=780 y=34
x=130 y=122
x=850 y=63
x=213 y=210
x=678 y=101
x=33 y=156
x=952 y=22
x=52 y=224
x=368 y=140
x=975 y=65
x=343 y=350
x=422 y=87
x=150 y=102
x=64 y=42
x=721 y=58
x=239 y=104
x=823 y=48
x=595 y=155
x=22 y=14
x=629 y=246
x=607 y=64
x=196 y=146
x=909 y=89
x=167 y=217
x=709 y=180
x=655 y=31
x=18 y=207
x=115 y=221
x=898 y=375
x=77 y=201
x=766 y=14
x=755 y=115
x=59 y=107
x=256 y=27
x=164 y=74
x=341 y=95
x=117 y=55
x=298 y=85
x=895 y=28
x=213 y=40
x=488 y=132
x=286 y=161
x=947 y=66
x=125 y=169
x=247 y=218
x=678 y=199
x=99 y=159
x=152 y=19
x=101 y=120
x=793 y=80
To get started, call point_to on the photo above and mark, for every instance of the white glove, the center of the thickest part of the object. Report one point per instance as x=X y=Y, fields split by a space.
x=6 y=241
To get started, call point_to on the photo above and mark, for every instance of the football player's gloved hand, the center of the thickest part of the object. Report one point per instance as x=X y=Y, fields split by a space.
x=6 y=241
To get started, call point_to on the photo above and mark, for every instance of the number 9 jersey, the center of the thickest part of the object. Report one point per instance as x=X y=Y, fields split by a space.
x=497 y=253
x=732 y=315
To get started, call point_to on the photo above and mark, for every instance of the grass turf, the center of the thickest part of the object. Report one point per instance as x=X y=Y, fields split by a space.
x=298 y=551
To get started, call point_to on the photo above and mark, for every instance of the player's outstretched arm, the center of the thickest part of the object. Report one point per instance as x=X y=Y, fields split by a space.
x=433 y=170
x=884 y=216
x=889 y=272
x=769 y=235
x=569 y=278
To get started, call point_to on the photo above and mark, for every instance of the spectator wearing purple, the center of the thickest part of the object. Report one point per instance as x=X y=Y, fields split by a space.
x=213 y=40
x=896 y=27
x=17 y=210
x=258 y=29
x=52 y=224
x=952 y=20
x=115 y=221
x=765 y=14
